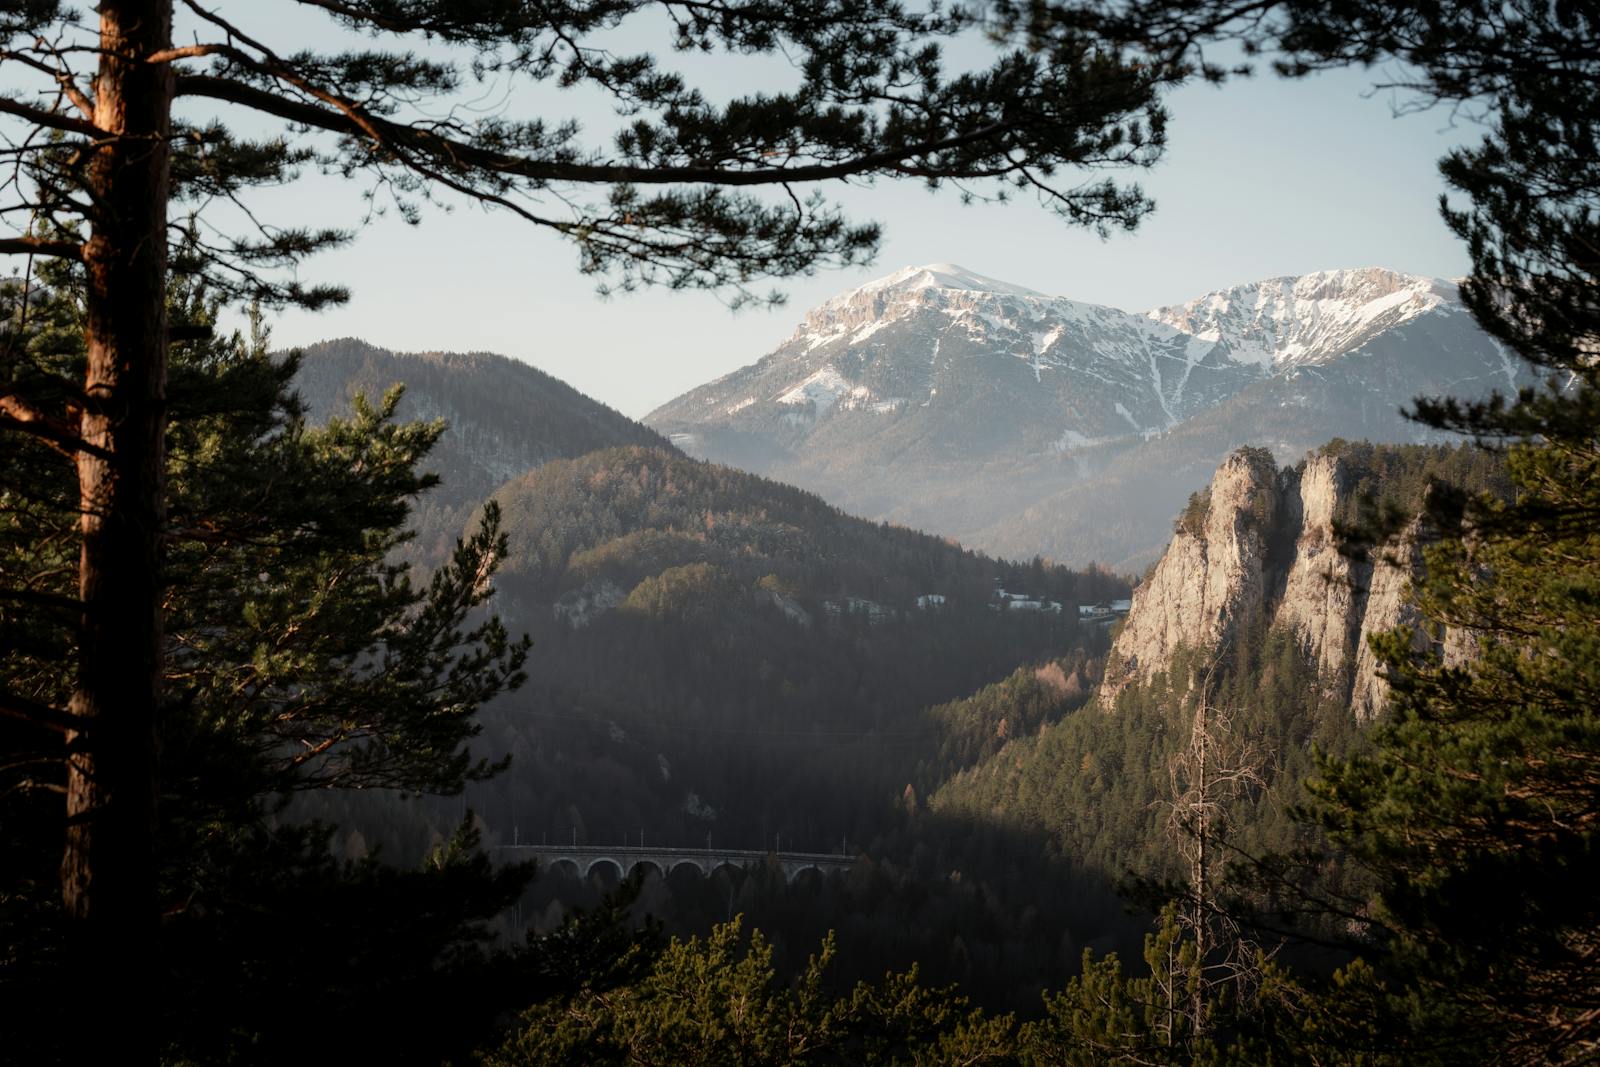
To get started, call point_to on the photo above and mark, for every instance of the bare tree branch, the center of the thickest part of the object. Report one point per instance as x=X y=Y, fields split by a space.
x=52 y=119
x=39 y=246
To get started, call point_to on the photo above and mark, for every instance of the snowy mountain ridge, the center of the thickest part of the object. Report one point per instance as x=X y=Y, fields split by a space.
x=1163 y=365
x=984 y=410
x=1274 y=323
x=1295 y=321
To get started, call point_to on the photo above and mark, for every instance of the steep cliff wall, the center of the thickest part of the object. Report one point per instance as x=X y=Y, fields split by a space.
x=1264 y=548
x=1214 y=570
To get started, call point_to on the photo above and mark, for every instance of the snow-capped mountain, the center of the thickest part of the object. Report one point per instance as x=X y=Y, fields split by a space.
x=1286 y=322
x=1054 y=359
x=969 y=406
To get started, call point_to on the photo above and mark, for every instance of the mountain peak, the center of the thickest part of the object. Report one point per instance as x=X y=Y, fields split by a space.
x=1305 y=318
x=942 y=276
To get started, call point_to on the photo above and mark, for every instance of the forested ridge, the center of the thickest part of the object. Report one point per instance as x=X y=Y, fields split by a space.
x=770 y=639
x=703 y=631
x=501 y=417
x=1096 y=783
x=617 y=513
x=718 y=657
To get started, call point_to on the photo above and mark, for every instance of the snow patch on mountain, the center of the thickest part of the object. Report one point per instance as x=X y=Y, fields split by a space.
x=1072 y=439
x=866 y=331
x=822 y=389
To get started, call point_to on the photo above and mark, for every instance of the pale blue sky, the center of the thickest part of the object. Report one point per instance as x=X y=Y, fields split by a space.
x=1263 y=177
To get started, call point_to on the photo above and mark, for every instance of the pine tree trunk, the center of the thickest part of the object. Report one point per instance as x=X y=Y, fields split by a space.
x=108 y=872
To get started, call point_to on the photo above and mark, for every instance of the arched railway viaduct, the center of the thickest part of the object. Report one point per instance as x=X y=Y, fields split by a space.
x=625 y=858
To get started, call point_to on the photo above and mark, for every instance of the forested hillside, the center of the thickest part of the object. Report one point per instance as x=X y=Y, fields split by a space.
x=718 y=653
x=1098 y=784
x=722 y=658
x=502 y=417
x=991 y=906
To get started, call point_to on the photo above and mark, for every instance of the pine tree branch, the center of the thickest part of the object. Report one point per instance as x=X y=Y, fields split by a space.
x=62 y=77
x=43 y=600
x=192 y=51
x=18 y=414
x=39 y=246
x=54 y=120
x=36 y=714
x=400 y=137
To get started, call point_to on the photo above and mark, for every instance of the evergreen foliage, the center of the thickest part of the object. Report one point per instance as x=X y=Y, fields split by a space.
x=1473 y=810
x=1392 y=485
x=1193 y=519
x=626 y=514
x=300 y=659
x=179 y=551
x=974 y=728
x=1094 y=781
x=719 y=1001
x=726 y=655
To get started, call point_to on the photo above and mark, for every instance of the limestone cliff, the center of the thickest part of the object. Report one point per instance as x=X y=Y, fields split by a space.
x=1260 y=544
x=1214 y=570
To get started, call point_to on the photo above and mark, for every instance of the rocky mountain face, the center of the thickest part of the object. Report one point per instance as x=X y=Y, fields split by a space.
x=1023 y=423
x=1259 y=546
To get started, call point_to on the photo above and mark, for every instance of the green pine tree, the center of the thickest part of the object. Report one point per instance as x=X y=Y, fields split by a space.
x=298 y=658
x=1475 y=810
x=719 y=1001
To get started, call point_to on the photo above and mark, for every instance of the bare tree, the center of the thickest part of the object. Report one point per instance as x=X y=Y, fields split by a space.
x=1216 y=769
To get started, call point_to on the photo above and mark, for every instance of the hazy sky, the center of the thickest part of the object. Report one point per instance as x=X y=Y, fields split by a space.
x=1262 y=178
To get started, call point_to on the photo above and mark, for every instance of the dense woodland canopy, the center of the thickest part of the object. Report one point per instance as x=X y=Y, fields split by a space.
x=723 y=654
x=301 y=659
x=1469 y=813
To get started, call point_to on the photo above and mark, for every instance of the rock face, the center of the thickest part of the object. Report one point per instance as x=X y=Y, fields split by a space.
x=1214 y=571
x=1261 y=544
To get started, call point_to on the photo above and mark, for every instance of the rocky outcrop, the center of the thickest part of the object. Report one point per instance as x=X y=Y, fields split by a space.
x=1214 y=571
x=1263 y=547
x=1388 y=606
x=1321 y=589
